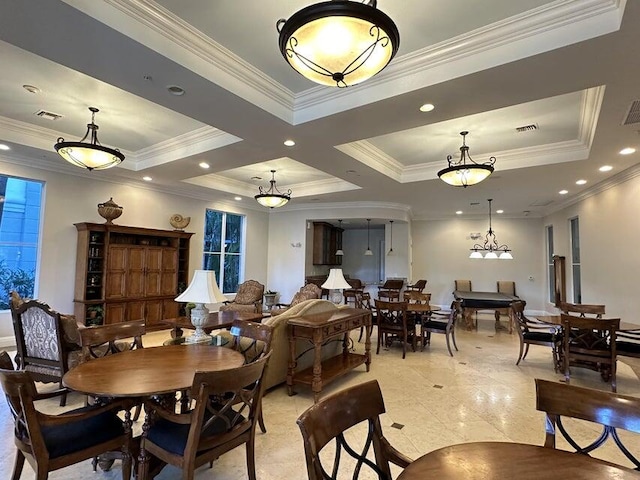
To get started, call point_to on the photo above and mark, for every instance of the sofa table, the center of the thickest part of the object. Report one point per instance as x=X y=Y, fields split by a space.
x=319 y=329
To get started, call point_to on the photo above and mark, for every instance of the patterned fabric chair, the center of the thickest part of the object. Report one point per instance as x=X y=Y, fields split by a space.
x=309 y=292
x=248 y=298
x=40 y=342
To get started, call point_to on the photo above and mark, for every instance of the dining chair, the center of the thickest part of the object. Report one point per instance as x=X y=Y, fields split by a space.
x=395 y=323
x=51 y=442
x=533 y=332
x=390 y=289
x=325 y=422
x=419 y=286
x=363 y=301
x=430 y=323
x=507 y=287
x=583 y=309
x=462 y=285
x=224 y=415
x=611 y=410
x=590 y=343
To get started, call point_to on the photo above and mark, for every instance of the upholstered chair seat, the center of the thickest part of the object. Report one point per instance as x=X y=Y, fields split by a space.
x=248 y=298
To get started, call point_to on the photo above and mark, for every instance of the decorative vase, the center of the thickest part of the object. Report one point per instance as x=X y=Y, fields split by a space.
x=109 y=210
x=178 y=222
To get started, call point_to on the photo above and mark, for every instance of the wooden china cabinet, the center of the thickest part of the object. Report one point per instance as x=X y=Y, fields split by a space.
x=129 y=273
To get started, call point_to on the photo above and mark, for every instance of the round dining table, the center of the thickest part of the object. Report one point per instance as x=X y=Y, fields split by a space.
x=501 y=461
x=145 y=372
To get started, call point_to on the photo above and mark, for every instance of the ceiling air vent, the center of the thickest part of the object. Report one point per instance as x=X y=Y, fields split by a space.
x=633 y=114
x=527 y=128
x=48 y=115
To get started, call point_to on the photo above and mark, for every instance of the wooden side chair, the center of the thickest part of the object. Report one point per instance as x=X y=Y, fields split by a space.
x=395 y=323
x=363 y=301
x=590 y=343
x=583 y=309
x=628 y=343
x=437 y=324
x=419 y=286
x=507 y=287
x=51 y=442
x=611 y=410
x=533 y=332
x=325 y=423
x=463 y=285
x=390 y=290
x=226 y=405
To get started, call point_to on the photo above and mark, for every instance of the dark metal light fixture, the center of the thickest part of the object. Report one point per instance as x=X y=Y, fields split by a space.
x=90 y=155
x=368 y=251
x=340 y=252
x=463 y=174
x=390 y=252
x=338 y=42
x=272 y=197
x=490 y=246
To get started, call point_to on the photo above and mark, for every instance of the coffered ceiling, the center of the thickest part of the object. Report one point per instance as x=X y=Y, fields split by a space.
x=566 y=70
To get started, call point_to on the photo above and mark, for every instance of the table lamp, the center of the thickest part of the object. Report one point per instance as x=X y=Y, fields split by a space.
x=202 y=289
x=335 y=283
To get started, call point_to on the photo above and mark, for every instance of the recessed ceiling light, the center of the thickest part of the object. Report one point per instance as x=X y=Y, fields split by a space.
x=237 y=198
x=175 y=90
x=581 y=182
x=427 y=107
x=627 y=151
x=31 y=89
x=499 y=211
x=289 y=143
x=203 y=165
x=147 y=178
x=563 y=192
x=459 y=212
x=606 y=168
x=4 y=147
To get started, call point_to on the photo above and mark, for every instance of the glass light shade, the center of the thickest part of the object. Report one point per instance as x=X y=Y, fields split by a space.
x=339 y=42
x=272 y=200
x=505 y=256
x=335 y=280
x=475 y=254
x=339 y=252
x=491 y=255
x=89 y=156
x=462 y=176
x=368 y=252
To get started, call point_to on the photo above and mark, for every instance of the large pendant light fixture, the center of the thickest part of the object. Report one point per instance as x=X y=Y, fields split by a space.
x=390 y=252
x=340 y=252
x=491 y=246
x=338 y=42
x=463 y=173
x=90 y=155
x=368 y=251
x=272 y=197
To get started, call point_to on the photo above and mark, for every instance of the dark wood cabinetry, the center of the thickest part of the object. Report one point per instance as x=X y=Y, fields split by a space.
x=326 y=241
x=129 y=273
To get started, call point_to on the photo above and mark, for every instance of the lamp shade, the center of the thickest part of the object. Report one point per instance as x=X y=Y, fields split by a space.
x=202 y=289
x=336 y=280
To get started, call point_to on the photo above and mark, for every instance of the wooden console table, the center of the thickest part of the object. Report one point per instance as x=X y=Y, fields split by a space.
x=317 y=330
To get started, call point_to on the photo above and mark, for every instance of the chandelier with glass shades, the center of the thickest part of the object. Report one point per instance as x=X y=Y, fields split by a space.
x=490 y=248
x=338 y=42
x=465 y=171
x=90 y=155
x=272 y=197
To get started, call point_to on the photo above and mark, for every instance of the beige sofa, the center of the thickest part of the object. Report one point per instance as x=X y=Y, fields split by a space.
x=277 y=369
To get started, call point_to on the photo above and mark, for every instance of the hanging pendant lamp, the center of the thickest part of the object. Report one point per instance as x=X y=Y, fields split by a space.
x=340 y=252
x=272 y=197
x=463 y=173
x=90 y=155
x=368 y=251
x=490 y=246
x=338 y=42
x=390 y=252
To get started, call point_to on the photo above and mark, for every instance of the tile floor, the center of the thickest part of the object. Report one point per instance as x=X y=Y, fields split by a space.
x=478 y=395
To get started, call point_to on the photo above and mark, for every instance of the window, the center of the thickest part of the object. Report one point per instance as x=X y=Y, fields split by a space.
x=575 y=260
x=20 y=205
x=223 y=248
x=550 y=269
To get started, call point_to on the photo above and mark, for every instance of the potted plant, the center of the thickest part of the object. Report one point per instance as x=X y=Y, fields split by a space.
x=95 y=315
x=269 y=299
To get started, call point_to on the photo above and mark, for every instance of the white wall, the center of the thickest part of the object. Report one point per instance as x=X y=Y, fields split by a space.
x=355 y=263
x=610 y=259
x=441 y=255
x=69 y=199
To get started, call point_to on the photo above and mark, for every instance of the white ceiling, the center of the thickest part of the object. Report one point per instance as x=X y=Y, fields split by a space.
x=569 y=67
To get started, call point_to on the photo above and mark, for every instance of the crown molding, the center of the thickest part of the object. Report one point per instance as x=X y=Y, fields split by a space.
x=365 y=152
x=350 y=207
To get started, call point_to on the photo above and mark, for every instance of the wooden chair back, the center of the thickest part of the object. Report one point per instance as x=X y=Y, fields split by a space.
x=613 y=411
x=103 y=340
x=463 y=285
x=418 y=286
x=507 y=287
x=414 y=296
x=326 y=421
x=591 y=343
x=251 y=339
x=5 y=361
x=582 y=309
x=226 y=406
x=393 y=320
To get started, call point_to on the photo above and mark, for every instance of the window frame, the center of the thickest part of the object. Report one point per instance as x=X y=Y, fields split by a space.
x=220 y=276
x=551 y=274
x=576 y=270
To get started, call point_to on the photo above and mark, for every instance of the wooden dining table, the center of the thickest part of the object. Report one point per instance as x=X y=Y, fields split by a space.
x=557 y=320
x=501 y=461
x=148 y=372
